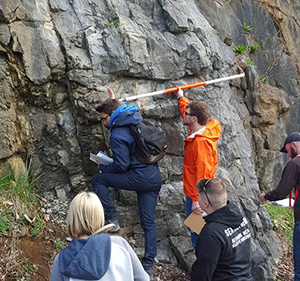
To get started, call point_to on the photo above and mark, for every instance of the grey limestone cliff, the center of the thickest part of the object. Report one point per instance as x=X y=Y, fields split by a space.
x=58 y=56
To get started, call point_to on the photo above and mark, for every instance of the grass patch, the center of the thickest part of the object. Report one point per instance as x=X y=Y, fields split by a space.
x=24 y=185
x=283 y=220
x=19 y=196
x=254 y=47
x=112 y=23
x=250 y=62
x=247 y=27
x=60 y=245
x=19 y=216
x=6 y=218
x=26 y=267
x=36 y=229
x=241 y=49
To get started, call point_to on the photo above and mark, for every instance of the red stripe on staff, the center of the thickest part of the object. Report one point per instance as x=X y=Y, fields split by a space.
x=184 y=87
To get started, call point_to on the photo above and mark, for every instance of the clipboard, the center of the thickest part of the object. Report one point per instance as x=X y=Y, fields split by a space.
x=195 y=222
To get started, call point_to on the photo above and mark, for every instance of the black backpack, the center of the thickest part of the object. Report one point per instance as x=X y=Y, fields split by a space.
x=150 y=142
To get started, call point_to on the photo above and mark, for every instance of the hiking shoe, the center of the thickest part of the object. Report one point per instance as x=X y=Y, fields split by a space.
x=116 y=223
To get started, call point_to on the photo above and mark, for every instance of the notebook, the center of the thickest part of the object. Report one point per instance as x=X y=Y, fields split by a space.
x=195 y=222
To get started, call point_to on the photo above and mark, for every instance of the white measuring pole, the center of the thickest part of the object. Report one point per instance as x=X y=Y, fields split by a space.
x=183 y=87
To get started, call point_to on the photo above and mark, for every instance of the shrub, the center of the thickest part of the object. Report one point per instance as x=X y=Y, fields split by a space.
x=113 y=23
x=240 y=49
x=24 y=185
x=254 y=47
x=246 y=27
x=250 y=62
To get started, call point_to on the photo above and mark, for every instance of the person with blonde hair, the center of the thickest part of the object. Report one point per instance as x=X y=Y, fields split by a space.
x=93 y=254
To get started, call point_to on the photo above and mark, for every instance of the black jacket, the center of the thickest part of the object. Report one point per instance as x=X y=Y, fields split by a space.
x=223 y=247
x=289 y=179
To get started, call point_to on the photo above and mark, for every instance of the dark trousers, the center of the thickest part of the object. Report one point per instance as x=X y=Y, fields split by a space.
x=147 y=193
x=296 y=250
x=188 y=211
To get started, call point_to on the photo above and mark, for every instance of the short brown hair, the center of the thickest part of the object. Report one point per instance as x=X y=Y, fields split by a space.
x=108 y=106
x=215 y=190
x=201 y=110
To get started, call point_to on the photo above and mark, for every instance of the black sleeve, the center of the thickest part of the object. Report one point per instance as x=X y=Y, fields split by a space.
x=288 y=180
x=208 y=251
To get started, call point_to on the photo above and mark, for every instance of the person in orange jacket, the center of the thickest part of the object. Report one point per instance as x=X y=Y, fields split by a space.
x=200 y=150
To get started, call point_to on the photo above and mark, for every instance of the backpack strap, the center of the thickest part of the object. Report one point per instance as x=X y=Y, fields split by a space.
x=296 y=196
x=296 y=193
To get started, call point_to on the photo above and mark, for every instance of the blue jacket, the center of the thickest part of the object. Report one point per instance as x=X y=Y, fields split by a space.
x=74 y=262
x=99 y=257
x=123 y=146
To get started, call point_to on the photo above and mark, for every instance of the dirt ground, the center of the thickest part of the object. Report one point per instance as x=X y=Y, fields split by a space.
x=27 y=258
x=285 y=269
x=30 y=258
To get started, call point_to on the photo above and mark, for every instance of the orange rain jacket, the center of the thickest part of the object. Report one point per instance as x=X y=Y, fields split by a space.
x=200 y=154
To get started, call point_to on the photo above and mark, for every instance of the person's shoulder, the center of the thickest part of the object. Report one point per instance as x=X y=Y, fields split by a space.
x=213 y=232
x=213 y=122
x=212 y=228
x=120 y=132
x=295 y=160
x=120 y=245
x=183 y=100
x=119 y=240
x=56 y=258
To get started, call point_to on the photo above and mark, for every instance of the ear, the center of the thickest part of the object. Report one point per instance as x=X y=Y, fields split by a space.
x=206 y=203
x=296 y=146
x=194 y=119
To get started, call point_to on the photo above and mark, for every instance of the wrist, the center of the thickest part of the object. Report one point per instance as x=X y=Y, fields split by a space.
x=195 y=204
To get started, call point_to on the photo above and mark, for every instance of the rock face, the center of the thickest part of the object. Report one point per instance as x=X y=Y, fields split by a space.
x=57 y=57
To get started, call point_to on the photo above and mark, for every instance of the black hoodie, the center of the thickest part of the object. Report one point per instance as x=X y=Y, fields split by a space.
x=223 y=247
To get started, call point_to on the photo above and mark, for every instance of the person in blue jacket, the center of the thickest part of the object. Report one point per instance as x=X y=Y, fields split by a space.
x=126 y=172
x=92 y=253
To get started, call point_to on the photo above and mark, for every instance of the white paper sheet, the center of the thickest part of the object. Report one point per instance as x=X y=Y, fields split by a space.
x=283 y=202
x=101 y=158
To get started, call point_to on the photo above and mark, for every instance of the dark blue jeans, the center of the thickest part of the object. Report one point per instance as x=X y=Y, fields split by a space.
x=147 y=193
x=296 y=250
x=188 y=211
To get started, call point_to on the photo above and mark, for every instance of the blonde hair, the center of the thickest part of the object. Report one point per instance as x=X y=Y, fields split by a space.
x=85 y=215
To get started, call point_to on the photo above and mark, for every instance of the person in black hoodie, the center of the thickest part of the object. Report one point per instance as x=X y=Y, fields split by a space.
x=126 y=172
x=223 y=246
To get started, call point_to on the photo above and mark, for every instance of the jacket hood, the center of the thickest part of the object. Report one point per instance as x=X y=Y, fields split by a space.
x=229 y=215
x=212 y=131
x=86 y=259
x=124 y=116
